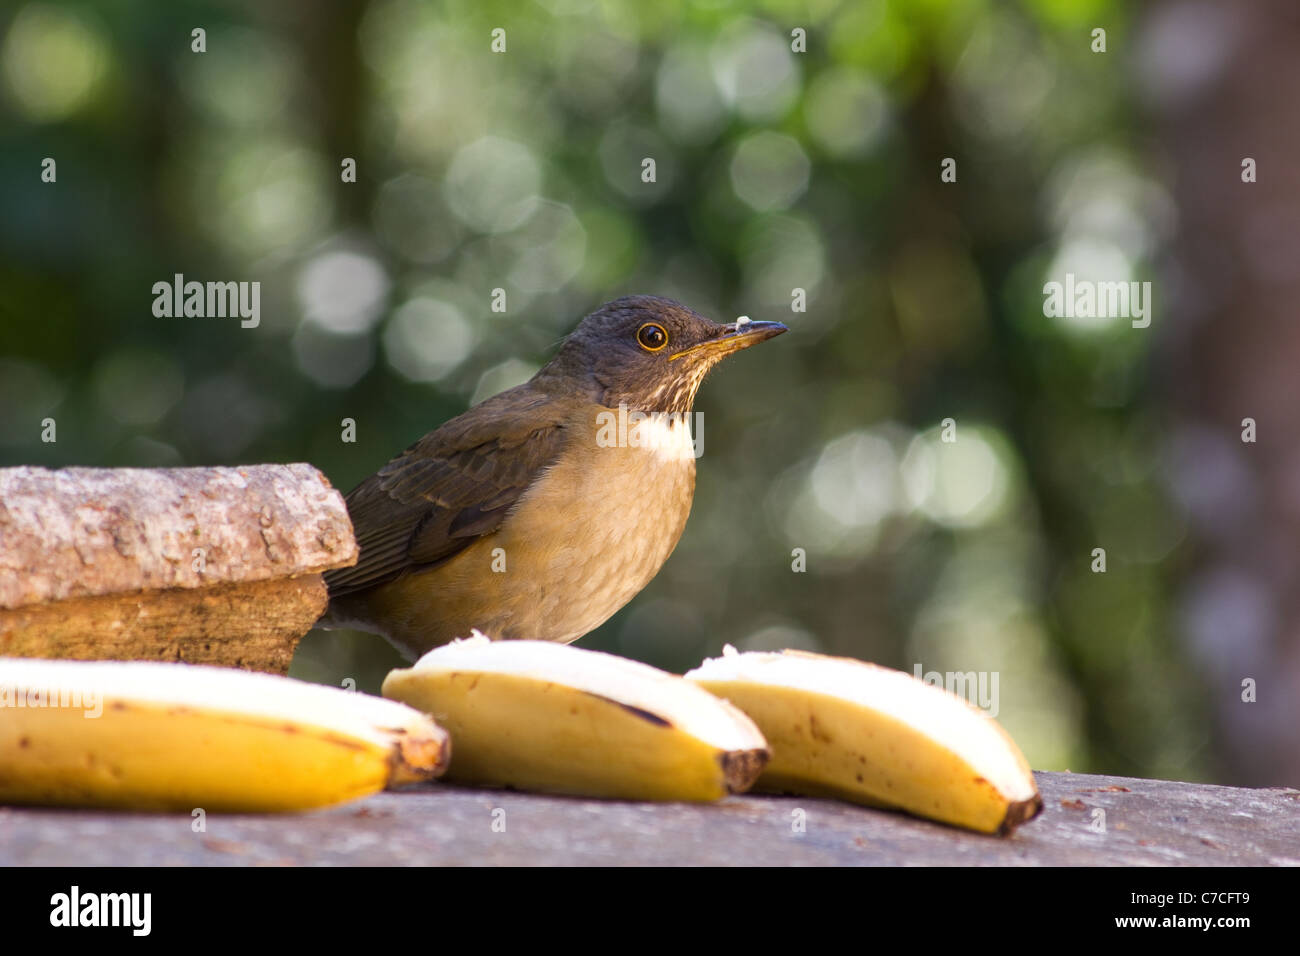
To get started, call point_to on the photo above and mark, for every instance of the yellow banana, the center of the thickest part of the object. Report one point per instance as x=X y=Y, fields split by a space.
x=844 y=728
x=543 y=716
x=154 y=736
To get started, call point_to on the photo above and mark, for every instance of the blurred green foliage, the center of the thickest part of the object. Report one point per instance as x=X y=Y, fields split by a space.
x=775 y=170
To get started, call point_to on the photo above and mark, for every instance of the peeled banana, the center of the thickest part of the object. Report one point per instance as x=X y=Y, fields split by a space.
x=844 y=728
x=155 y=736
x=536 y=715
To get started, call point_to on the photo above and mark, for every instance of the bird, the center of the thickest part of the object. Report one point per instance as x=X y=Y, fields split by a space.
x=543 y=510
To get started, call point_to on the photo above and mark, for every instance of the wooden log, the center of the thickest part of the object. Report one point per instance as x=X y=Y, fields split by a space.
x=207 y=565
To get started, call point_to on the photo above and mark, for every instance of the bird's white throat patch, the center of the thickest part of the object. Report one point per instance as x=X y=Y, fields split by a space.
x=669 y=435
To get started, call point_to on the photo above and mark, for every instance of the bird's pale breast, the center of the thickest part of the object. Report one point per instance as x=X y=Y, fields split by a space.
x=588 y=535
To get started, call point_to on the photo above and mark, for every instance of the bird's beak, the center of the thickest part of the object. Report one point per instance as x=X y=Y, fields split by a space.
x=733 y=337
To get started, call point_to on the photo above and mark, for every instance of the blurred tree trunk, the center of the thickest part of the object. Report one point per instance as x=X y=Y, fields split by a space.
x=1222 y=82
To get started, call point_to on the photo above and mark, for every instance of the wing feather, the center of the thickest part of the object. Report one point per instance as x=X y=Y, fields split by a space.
x=452 y=486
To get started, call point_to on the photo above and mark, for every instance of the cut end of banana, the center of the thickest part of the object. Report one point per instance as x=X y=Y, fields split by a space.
x=742 y=768
x=418 y=755
x=146 y=735
x=846 y=728
x=1021 y=811
x=546 y=716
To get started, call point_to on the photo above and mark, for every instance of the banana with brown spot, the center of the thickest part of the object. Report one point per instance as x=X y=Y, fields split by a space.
x=848 y=729
x=536 y=715
x=159 y=736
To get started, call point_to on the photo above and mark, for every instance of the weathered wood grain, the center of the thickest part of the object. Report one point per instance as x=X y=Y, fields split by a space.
x=1147 y=823
x=255 y=625
x=208 y=565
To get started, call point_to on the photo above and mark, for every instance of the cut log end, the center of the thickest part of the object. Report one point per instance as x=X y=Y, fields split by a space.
x=255 y=626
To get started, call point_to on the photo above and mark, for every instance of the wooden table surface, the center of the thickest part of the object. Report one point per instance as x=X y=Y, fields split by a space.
x=1146 y=823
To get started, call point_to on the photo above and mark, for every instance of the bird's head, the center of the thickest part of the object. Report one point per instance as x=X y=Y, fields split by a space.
x=650 y=353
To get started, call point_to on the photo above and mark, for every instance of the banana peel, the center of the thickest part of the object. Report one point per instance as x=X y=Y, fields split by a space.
x=159 y=736
x=537 y=715
x=872 y=735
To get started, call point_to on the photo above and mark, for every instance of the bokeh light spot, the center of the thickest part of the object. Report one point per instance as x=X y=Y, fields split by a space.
x=493 y=184
x=342 y=292
x=769 y=170
x=427 y=338
x=54 y=58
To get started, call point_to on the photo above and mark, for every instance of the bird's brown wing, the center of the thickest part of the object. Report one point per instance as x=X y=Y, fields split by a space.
x=456 y=483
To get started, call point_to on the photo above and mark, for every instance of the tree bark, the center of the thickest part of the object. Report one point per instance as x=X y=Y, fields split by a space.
x=207 y=565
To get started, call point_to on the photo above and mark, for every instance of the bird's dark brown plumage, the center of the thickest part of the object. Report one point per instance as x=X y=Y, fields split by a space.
x=453 y=485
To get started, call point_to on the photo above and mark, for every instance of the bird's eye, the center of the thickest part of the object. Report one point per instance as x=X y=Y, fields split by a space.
x=652 y=336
